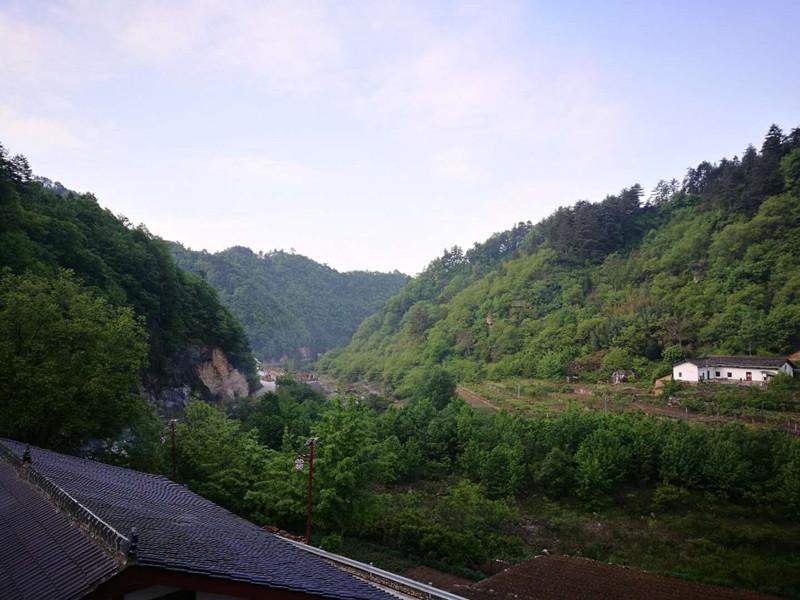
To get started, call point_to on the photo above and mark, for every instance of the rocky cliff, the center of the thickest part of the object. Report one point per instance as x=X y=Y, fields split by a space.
x=201 y=372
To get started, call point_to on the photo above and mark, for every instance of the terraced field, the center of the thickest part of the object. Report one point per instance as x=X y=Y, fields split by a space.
x=533 y=397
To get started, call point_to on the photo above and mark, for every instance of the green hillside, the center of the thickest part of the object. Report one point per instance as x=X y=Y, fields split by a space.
x=82 y=292
x=708 y=265
x=289 y=304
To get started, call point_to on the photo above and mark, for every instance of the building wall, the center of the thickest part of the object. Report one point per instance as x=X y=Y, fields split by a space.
x=685 y=371
x=688 y=372
x=738 y=374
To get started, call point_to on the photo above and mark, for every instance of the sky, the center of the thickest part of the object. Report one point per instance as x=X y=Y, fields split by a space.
x=372 y=135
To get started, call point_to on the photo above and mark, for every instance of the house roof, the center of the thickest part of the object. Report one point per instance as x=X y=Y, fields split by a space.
x=177 y=530
x=752 y=362
x=43 y=554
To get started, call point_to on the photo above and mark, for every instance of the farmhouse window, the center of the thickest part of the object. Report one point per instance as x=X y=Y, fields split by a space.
x=730 y=374
x=716 y=373
x=680 y=374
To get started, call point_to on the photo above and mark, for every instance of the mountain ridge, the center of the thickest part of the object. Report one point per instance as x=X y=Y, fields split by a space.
x=618 y=284
x=290 y=305
x=47 y=228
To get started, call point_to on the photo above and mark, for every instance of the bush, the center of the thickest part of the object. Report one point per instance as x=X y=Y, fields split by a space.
x=670 y=497
x=673 y=354
x=617 y=359
x=603 y=460
x=671 y=388
x=438 y=386
x=331 y=542
x=555 y=475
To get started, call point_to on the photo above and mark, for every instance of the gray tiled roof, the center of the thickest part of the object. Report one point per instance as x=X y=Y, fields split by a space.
x=43 y=554
x=753 y=362
x=180 y=531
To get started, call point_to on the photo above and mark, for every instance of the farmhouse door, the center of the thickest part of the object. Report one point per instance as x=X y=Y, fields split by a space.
x=748 y=376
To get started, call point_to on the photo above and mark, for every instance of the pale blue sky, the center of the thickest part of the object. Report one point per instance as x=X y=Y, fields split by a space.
x=371 y=135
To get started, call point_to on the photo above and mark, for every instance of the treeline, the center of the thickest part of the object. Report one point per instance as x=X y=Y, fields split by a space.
x=84 y=294
x=706 y=266
x=438 y=481
x=290 y=305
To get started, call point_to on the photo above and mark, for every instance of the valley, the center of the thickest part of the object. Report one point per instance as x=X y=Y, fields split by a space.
x=509 y=402
x=312 y=300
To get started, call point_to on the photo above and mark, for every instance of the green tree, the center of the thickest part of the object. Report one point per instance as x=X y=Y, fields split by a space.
x=790 y=165
x=555 y=474
x=70 y=362
x=216 y=458
x=602 y=462
x=349 y=458
x=438 y=385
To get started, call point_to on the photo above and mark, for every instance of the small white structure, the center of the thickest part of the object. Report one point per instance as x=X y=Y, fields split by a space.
x=267 y=387
x=731 y=369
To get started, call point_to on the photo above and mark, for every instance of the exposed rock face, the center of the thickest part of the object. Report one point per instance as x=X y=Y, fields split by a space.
x=199 y=372
x=172 y=399
x=223 y=381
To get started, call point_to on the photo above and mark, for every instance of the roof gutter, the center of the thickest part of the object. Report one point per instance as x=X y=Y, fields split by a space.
x=387 y=578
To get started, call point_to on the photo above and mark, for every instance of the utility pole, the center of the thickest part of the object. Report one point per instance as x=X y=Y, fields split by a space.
x=311 y=443
x=298 y=464
x=172 y=423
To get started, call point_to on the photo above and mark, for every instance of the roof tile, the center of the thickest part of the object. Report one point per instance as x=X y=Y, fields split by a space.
x=42 y=552
x=181 y=531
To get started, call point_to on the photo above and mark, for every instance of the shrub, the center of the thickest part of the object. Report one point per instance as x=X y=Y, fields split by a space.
x=331 y=542
x=670 y=497
x=555 y=475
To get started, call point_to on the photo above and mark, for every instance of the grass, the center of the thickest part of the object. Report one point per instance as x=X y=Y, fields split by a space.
x=531 y=397
x=718 y=543
x=707 y=403
x=728 y=545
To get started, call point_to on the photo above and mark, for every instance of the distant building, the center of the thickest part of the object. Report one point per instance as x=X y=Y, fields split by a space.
x=267 y=387
x=661 y=382
x=752 y=370
x=618 y=377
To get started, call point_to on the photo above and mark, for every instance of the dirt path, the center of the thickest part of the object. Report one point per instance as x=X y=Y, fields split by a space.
x=474 y=399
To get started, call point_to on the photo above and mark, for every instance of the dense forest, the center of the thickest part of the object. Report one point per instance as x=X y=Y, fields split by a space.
x=92 y=308
x=289 y=305
x=709 y=265
x=434 y=481
x=629 y=283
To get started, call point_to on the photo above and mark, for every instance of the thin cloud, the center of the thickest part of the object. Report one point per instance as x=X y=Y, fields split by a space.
x=456 y=164
x=37 y=134
x=21 y=41
x=288 y=44
x=256 y=171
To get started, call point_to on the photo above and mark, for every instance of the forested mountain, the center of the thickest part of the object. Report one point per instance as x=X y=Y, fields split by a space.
x=711 y=264
x=290 y=305
x=92 y=308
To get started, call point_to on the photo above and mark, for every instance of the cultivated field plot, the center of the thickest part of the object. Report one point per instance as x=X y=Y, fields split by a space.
x=534 y=397
x=710 y=404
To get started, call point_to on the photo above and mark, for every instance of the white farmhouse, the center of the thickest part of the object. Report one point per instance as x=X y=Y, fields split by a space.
x=731 y=369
